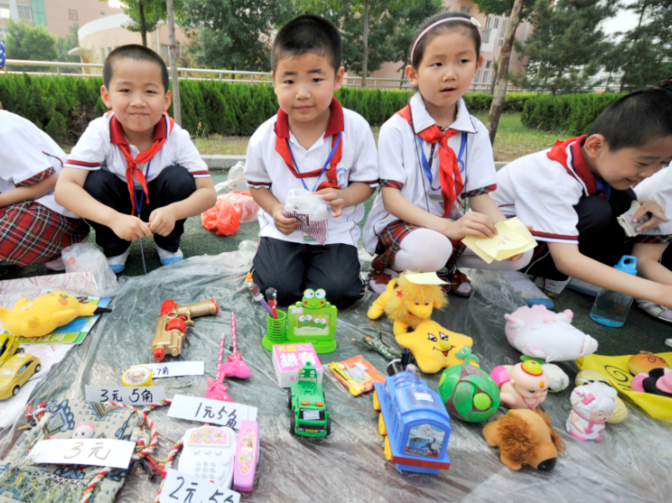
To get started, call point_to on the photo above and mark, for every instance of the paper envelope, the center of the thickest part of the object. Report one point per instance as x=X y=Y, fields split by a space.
x=512 y=238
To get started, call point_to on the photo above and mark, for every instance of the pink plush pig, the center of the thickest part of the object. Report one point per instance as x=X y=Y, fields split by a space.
x=540 y=333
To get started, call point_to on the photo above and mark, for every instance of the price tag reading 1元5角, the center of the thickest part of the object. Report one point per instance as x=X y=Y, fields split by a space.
x=204 y=410
x=85 y=451
x=179 y=487
x=128 y=396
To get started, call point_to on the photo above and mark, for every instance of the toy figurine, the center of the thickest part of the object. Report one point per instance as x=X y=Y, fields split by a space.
x=592 y=405
x=377 y=344
x=525 y=437
x=435 y=347
x=643 y=362
x=590 y=376
x=525 y=386
x=84 y=430
x=15 y=372
x=535 y=331
x=305 y=399
x=313 y=320
x=44 y=314
x=657 y=381
x=407 y=303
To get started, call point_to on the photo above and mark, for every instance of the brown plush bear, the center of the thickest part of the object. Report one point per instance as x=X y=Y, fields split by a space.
x=525 y=437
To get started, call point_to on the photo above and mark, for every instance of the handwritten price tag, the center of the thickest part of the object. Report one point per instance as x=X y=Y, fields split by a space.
x=179 y=487
x=87 y=451
x=211 y=411
x=128 y=396
x=176 y=369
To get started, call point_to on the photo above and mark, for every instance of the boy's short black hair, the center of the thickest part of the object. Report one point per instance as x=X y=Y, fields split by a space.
x=307 y=33
x=133 y=51
x=637 y=118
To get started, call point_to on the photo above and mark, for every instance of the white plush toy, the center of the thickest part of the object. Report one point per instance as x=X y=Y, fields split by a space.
x=541 y=333
x=592 y=406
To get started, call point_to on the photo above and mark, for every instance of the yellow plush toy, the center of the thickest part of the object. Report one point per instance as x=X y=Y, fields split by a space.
x=408 y=300
x=435 y=347
x=44 y=314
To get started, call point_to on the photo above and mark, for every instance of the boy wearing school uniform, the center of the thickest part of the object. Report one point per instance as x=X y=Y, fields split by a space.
x=573 y=193
x=314 y=144
x=134 y=173
x=34 y=228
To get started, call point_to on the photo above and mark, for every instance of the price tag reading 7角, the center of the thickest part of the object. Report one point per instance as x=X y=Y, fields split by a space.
x=175 y=369
x=86 y=451
x=125 y=395
x=204 y=410
x=179 y=487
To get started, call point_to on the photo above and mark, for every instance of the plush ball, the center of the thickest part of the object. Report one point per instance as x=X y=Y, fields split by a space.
x=469 y=393
x=644 y=362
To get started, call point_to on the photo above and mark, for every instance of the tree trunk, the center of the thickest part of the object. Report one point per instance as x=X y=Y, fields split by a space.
x=365 y=37
x=494 y=78
x=503 y=70
x=143 y=28
x=177 y=112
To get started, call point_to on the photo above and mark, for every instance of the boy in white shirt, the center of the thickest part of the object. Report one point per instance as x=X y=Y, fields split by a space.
x=312 y=143
x=572 y=194
x=134 y=173
x=33 y=227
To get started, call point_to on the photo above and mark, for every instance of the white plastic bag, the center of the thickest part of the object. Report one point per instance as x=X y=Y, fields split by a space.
x=235 y=180
x=311 y=210
x=85 y=257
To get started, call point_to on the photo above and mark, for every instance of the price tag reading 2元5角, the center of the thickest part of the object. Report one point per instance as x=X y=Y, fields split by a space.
x=179 y=487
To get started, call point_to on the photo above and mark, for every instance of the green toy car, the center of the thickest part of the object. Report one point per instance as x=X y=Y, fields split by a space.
x=9 y=346
x=305 y=399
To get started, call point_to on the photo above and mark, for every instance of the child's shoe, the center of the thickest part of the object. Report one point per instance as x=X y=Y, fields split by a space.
x=458 y=283
x=653 y=309
x=377 y=281
x=167 y=257
x=118 y=263
x=526 y=289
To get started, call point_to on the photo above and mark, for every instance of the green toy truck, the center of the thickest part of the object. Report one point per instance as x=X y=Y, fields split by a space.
x=305 y=399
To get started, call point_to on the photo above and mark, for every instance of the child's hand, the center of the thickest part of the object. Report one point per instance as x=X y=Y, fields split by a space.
x=130 y=228
x=334 y=198
x=282 y=223
x=657 y=215
x=471 y=224
x=520 y=255
x=162 y=221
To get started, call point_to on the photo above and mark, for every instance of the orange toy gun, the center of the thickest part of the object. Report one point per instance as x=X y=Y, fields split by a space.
x=171 y=326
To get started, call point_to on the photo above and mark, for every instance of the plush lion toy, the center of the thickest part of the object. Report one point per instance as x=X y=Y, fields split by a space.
x=525 y=437
x=406 y=303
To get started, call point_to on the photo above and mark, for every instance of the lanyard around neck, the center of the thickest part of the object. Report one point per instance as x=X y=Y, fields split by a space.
x=324 y=168
x=427 y=166
x=138 y=206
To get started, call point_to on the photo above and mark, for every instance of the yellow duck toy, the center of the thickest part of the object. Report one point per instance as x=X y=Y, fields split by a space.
x=407 y=303
x=434 y=347
x=44 y=314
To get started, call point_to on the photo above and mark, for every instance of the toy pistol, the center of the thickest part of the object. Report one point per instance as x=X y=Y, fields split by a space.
x=171 y=326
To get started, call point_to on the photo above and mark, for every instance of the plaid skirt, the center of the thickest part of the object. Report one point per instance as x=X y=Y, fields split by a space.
x=390 y=240
x=33 y=234
x=645 y=238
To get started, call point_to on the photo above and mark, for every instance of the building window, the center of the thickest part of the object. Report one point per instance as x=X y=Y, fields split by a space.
x=478 y=75
x=465 y=8
x=501 y=36
x=4 y=10
x=25 y=12
x=72 y=15
x=486 y=76
x=496 y=23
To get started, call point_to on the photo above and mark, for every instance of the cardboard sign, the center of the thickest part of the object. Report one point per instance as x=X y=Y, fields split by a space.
x=128 y=396
x=204 y=410
x=175 y=369
x=85 y=451
x=179 y=487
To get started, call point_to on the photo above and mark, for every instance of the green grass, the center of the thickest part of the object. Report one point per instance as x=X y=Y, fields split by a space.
x=513 y=140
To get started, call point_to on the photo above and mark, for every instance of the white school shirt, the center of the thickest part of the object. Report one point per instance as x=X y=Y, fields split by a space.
x=25 y=151
x=399 y=159
x=97 y=149
x=266 y=168
x=541 y=189
x=659 y=189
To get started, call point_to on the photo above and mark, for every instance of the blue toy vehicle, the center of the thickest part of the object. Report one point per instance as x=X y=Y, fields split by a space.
x=414 y=421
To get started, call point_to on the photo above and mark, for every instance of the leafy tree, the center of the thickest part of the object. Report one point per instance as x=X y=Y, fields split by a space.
x=567 y=43
x=644 y=54
x=407 y=17
x=234 y=34
x=64 y=44
x=28 y=42
x=146 y=14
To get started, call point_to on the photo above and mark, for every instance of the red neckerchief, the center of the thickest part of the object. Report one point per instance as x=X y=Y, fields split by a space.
x=118 y=138
x=558 y=153
x=334 y=127
x=449 y=169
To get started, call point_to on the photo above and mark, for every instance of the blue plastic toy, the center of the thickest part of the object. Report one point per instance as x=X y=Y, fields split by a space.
x=417 y=423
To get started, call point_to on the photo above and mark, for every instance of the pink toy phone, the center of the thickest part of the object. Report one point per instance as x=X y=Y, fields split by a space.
x=247 y=456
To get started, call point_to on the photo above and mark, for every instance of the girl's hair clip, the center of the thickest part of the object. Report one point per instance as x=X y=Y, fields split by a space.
x=477 y=24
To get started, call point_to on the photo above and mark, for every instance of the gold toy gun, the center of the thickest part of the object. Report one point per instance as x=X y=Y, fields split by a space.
x=171 y=326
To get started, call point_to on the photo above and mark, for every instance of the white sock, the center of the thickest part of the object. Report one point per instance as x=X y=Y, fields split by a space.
x=164 y=254
x=119 y=259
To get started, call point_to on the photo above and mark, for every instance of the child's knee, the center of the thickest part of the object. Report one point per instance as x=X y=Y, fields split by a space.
x=423 y=250
x=177 y=181
x=343 y=291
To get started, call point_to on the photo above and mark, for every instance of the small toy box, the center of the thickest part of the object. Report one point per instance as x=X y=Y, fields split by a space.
x=289 y=358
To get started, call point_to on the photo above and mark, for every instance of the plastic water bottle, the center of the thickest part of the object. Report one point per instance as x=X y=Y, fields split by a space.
x=611 y=308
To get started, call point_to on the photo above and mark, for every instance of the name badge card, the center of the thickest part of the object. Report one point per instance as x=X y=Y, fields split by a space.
x=204 y=410
x=85 y=451
x=175 y=369
x=128 y=396
x=179 y=487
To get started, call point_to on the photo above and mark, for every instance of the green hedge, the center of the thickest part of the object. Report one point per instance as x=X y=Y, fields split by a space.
x=573 y=113
x=63 y=106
